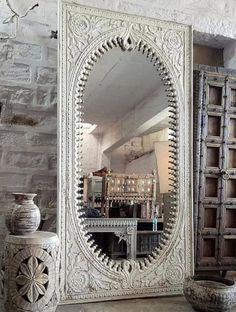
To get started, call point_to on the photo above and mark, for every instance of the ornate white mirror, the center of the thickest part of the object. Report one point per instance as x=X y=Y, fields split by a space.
x=125 y=205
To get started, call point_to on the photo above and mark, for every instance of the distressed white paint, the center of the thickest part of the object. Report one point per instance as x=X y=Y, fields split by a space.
x=164 y=271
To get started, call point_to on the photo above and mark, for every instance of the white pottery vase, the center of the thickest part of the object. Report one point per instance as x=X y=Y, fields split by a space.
x=23 y=216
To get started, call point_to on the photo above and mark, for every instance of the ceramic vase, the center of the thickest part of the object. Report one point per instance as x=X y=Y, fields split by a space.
x=23 y=215
x=210 y=294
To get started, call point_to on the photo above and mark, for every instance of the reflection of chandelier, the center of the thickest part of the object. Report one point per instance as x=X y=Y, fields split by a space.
x=14 y=18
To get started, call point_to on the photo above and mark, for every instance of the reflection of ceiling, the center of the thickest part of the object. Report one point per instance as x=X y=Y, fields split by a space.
x=159 y=126
x=118 y=82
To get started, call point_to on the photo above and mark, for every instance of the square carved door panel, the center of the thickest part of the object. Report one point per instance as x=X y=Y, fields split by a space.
x=215 y=170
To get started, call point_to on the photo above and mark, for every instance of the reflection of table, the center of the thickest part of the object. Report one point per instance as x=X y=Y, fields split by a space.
x=124 y=228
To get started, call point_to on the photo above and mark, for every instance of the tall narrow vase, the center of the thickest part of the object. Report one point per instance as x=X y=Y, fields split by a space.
x=23 y=216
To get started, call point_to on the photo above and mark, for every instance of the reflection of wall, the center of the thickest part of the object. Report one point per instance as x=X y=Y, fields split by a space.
x=131 y=154
x=92 y=153
x=118 y=164
x=106 y=161
x=162 y=158
x=150 y=139
x=142 y=165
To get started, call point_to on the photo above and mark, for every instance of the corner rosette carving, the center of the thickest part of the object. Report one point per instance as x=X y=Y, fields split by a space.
x=32 y=279
x=173 y=47
x=172 y=40
x=81 y=25
x=79 y=280
x=174 y=274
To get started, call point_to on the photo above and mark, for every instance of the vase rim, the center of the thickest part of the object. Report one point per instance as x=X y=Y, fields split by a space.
x=226 y=281
x=26 y=194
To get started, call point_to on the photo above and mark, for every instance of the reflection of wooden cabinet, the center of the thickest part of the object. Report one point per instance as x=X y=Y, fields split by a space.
x=130 y=189
x=215 y=174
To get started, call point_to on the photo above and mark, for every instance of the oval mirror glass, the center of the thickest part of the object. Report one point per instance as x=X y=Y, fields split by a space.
x=126 y=189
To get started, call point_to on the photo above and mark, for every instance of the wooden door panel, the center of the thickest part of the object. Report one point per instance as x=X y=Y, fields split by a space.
x=230 y=218
x=215 y=95
x=214 y=125
x=213 y=157
x=231 y=158
x=233 y=97
x=210 y=218
x=215 y=172
x=208 y=246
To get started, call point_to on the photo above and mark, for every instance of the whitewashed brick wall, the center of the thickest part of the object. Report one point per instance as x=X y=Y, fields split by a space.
x=28 y=104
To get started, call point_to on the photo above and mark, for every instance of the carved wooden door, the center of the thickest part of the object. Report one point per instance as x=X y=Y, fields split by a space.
x=215 y=174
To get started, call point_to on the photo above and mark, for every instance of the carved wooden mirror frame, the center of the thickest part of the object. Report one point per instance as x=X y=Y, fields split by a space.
x=87 y=274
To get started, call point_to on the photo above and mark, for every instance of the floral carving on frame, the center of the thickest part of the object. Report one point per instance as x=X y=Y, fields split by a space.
x=87 y=274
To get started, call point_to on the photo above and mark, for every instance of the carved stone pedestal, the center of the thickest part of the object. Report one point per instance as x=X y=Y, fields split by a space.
x=31 y=278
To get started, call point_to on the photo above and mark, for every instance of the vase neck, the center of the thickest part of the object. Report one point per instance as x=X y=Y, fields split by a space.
x=24 y=197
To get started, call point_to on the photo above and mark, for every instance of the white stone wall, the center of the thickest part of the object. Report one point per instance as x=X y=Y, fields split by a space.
x=28 y=102
x=216 y=17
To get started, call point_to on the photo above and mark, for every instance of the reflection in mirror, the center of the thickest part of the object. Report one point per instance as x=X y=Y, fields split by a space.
x=126 y=155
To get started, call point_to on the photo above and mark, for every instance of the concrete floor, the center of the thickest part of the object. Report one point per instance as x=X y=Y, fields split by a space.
x=173 y=304
x=167 y=304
